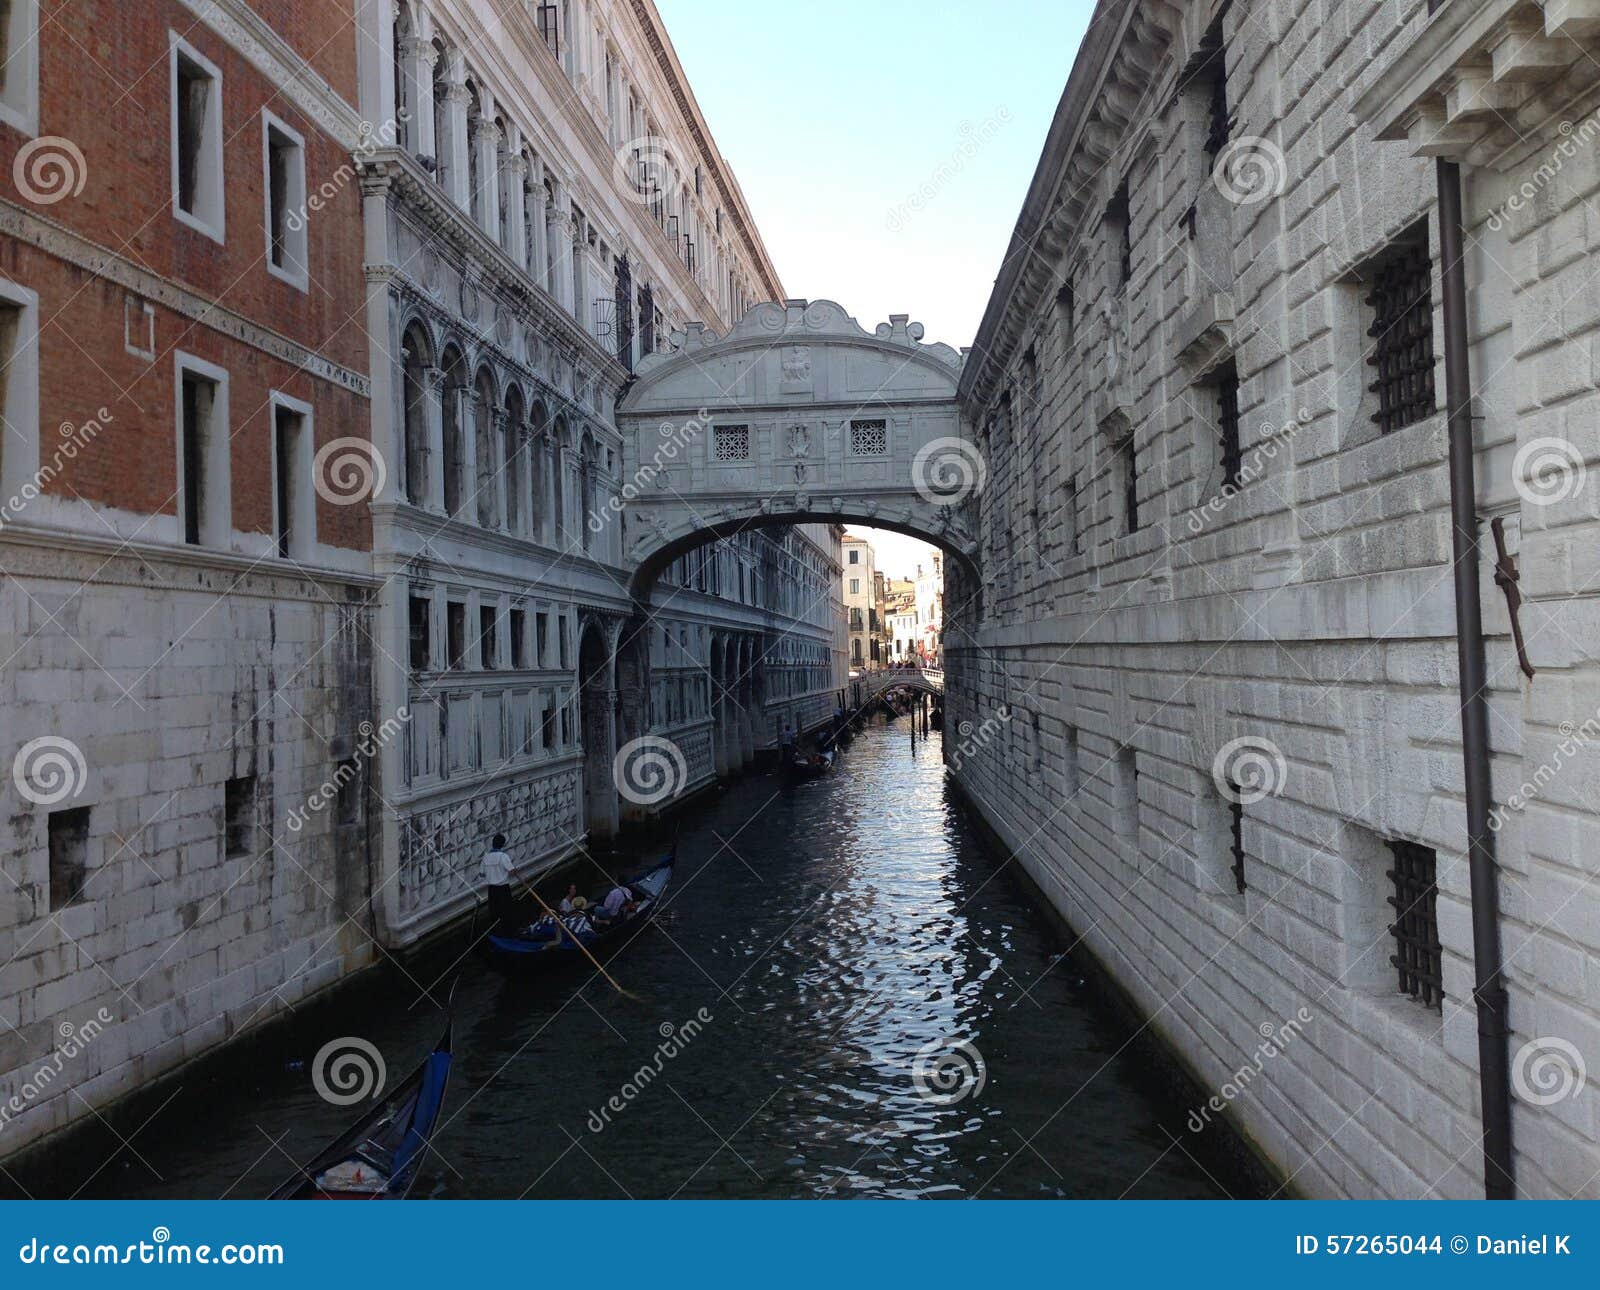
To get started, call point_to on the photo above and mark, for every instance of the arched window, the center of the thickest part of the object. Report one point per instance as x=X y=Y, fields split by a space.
x=455 y=387
x=588 y=478
x=558 y=478
x=516 y=431
x=537 y=448
x=415 y=395
x=486 y=478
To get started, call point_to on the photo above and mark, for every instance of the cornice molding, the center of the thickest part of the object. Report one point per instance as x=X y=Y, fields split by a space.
x=72 y=248
x=271 y=55
x=1131 y=50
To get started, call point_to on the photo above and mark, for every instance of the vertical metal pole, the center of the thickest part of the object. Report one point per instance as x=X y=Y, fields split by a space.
x=1489 y=988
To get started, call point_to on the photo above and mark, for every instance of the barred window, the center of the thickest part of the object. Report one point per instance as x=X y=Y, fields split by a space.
x=869 y=438
x=1236 y=814
x=1228 y=426
x=1402 y=334
x=1119 y=216
x=733 y=443
x=1418 y=955
x=1129 y=456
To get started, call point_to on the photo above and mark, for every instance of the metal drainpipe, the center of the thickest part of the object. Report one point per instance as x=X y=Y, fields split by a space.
x=1489 y=989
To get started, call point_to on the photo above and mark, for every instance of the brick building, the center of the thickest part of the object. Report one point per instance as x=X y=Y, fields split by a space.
x=1210 y=387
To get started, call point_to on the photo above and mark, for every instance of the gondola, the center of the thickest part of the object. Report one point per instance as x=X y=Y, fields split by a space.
x=378 y=1157
x=812 y=767
x=550 y=940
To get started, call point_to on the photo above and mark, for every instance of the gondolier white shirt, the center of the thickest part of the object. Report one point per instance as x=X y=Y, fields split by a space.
x=497 y=868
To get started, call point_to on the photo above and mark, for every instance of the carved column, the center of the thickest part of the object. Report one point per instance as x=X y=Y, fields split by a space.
x=486 y=142
x=466 y=422
x=499 y=464
x=516 y=236
x=418 y=58
x=558 y=243
x=458 y=167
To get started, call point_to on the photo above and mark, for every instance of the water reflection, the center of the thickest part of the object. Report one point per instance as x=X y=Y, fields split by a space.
x=876 y=1012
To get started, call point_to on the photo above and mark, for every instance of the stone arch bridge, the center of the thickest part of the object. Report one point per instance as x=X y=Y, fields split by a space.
x=798 y=415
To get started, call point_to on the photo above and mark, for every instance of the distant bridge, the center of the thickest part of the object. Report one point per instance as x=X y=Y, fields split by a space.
x=930 y=680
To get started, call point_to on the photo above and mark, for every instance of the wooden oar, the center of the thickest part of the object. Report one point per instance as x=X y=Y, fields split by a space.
x=567 y=931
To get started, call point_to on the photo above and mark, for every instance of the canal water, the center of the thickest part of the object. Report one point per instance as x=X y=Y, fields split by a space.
x=843 y=996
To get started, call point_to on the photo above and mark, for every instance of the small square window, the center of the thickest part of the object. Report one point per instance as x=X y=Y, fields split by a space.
x=138 y=327
x=733 y=443
x=456 y=634
x=519 y=639
x=239 y=816
x=69 y=856
x=488 y=629
x=421 y=629
x=869 y=438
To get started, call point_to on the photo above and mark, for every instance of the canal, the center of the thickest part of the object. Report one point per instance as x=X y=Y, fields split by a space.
x=843 y=997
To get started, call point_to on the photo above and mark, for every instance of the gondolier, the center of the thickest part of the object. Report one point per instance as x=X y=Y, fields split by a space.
x=497 y=876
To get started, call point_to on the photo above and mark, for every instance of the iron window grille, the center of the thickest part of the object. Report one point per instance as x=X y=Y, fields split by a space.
x=1066 y=311
x=1418 y=956
x=1215 y=70
x=869 y=438
x=733 y=443
x=1228 y=426
x=1402 y=334
x=1236 y=814
x=1120 y=214
x=1130 y=482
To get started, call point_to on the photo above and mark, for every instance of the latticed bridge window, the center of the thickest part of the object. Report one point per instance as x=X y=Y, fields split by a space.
x=1402 y=335
x=869 y=438
x=1228 y=426
x=1418 y=956
x=733 y=443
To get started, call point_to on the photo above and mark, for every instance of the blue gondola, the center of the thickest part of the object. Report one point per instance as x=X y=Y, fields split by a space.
x=550 y=940
x=377 y=1158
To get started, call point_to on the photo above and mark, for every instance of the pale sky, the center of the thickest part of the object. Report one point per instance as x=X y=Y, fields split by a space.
x=884 y=147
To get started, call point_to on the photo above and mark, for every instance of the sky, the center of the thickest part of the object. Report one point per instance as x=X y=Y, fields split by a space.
x=884 y=146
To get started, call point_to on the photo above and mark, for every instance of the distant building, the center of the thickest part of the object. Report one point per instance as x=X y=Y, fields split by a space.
x=863 y=598
x=929 y=585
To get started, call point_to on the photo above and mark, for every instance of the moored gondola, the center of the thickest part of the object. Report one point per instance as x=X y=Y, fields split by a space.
x=378 y=1157
x=553 y=938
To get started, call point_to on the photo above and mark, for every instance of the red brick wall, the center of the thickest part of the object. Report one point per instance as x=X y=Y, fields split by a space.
x=104 y=83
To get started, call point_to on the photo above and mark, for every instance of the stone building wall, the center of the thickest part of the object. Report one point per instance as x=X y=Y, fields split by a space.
x=1281 y=651
x=175 y=705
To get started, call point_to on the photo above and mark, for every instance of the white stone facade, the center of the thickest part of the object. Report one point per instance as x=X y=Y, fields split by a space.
x=1309 y=608
x=520 y=262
